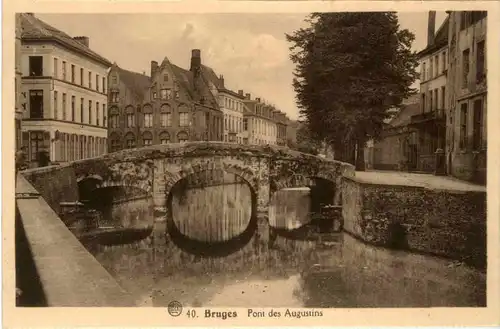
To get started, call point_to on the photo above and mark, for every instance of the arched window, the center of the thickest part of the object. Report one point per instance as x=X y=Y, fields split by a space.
x=165 y=116
x=182 y=137
x=148 y=116
x=130 y=115
x=113 y=117
x=115 y=142
x=130 y=141
x=147 y=138
x=164 y=138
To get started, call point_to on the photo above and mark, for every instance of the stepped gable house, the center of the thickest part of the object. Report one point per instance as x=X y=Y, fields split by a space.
x=170 y=106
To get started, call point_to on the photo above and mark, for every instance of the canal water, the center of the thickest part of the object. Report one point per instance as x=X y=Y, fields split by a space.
x=178 y=260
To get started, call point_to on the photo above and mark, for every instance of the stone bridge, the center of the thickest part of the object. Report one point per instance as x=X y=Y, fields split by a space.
x=156 y=169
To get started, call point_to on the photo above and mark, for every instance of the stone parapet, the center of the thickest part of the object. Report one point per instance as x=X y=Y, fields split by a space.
x=449 y=223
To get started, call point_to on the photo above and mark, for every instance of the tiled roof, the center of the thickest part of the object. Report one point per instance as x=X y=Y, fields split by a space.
x=34 y=29
x=440 y=40
x=211 y=76
x=184 y=79
x=136 y=82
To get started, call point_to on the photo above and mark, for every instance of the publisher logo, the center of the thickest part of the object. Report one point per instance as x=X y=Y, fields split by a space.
x=174 y=308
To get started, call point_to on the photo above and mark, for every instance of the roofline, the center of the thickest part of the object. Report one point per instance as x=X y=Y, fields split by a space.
x=70 y=47
x=225 y=90
x=431 y=49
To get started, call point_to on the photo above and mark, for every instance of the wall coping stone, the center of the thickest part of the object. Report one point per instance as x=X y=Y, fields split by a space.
x=69 y=274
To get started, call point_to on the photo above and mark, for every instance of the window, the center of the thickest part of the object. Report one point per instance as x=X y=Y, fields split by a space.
x=431 y=102
x=435 y=99
x=81 y=76
x=147 y=138
x=72 y=73
x=436 y=61
x=480 y=62
x=36 y=66
x=182 y=137
x=56 y=107
x=113 y=120
x=423 y=71
x=64 y=106
x=114 y=142
x=463 y=126
x=36 y=144
x=176 y=94
x=104 y=115
x=148 y=120
x=164 y=138
x=90 y=80
x=477 y=138
x=465 y=67
x=225 y=122
x=97 y=82
x=130 y=141
x=36 y=104
x=114 y=96
x=104 y=85
x=90 y=112
x=444 y=60
x=165 y=116
x=166 y=94
x=97 y=121
x=64 y=70
x=56 y=68
x=165 y=77
x=155 y=96
x=114 y=79
x=130 y=120
x=443 y=98
x=73 y=116
x=81 y=109
x=423 y=103
x=431 y=68
x=183 y=119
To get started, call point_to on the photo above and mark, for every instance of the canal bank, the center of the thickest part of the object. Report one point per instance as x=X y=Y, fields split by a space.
x=418 y=213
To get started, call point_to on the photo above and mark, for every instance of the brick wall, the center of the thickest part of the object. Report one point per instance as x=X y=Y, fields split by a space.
x=445 y=223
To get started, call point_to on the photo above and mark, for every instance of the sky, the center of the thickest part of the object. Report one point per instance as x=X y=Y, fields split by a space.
x=249 y=50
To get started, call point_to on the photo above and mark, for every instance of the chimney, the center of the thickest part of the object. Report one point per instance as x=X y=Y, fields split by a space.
x=83 y=40
x=154 y=67
x=195 y=60
x=240 y=92
x=221 y=79
x=257 y=99
x=247 y=96
x=431 y=27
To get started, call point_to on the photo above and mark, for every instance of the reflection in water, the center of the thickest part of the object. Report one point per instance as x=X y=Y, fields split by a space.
x=212 y=208
x=342 y=272
x=283 y=210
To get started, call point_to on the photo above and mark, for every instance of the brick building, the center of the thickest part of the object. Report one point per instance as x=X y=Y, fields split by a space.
x=63 y=93
x=467 y=95
x=170 y=106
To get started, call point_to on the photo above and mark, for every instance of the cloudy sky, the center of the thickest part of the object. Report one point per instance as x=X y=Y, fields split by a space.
x=250 y=50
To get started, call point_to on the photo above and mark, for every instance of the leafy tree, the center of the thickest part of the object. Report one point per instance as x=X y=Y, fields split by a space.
x=351 y=68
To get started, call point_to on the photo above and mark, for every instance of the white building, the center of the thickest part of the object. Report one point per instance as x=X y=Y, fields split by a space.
x=260 y=122
x=232 y=106
x=63 y=93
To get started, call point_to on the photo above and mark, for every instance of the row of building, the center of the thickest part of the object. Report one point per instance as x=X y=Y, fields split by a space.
x=72 y=103
x=449 y=114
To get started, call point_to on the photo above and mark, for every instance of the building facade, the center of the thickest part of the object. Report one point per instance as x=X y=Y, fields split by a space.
x=18 y=114
x=64 y=92
x=467 y=85
x=429 y=126
x=260 y=122
x=173 y=105
x=232 y=106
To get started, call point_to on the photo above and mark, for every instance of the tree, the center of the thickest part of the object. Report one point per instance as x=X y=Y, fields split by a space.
x=351 y=68
x=305 y=142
